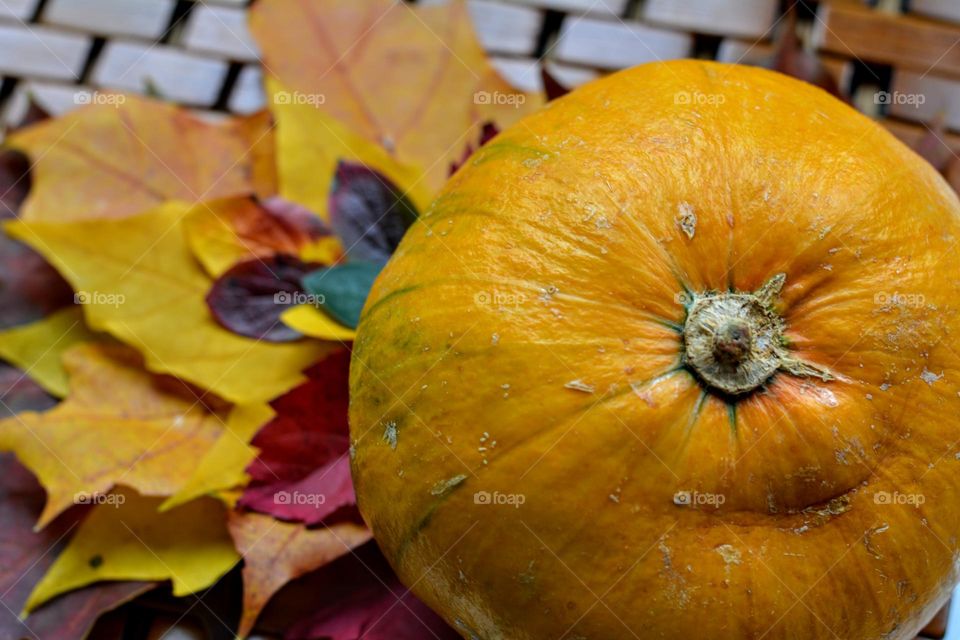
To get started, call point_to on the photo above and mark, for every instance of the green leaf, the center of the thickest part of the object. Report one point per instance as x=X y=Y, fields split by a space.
x=341 y=290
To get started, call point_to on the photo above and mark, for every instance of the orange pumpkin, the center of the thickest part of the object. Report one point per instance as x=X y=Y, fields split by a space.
x=675 y=357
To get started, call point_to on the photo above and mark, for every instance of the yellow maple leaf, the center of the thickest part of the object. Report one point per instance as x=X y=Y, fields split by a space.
x=119 y=425
x=142 y=285
x=275 y=552
x=224 y=465
x=413 y=79
x=310 y=144
x=116 y=160
x=126 y=538
x=37 y=348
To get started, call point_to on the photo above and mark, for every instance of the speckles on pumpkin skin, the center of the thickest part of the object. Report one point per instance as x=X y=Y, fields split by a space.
x=676 y=588
x=444 y=487
x=390 y=434
x=729 y=553
x=929 y=377
x=687 y=219
x=580 y=385
x=868 y=539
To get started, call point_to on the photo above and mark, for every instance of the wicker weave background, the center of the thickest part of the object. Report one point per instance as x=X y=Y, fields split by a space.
x=899 y=60
x=199 y=52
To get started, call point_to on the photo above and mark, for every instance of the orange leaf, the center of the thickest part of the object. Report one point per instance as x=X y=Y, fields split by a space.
x=274 y=553
x=414 y=80
x=117 y=160
x=225 y=232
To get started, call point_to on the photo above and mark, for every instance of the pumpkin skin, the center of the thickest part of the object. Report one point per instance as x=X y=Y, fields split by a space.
x=527 y=340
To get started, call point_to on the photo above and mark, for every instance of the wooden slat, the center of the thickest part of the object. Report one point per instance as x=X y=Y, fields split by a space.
x=579 y=7
x=41 y=52
x=54 y=98
x=942 y=9
x=918 y=97
x=140 y=18
x=522 y=73
x=177 y=75
x=248 y=95
x=612 y=44
x=910 y=134
x=504 y=28
x=17 y=10
x=743 y=18
x=221 y=31
x=905 y=41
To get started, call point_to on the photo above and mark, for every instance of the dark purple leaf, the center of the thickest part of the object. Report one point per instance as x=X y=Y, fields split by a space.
x=552 y=86
x=29 y=287
x=15 y=180
x=368 y=212
x=25 y=556
x=249 y=298
x=19 y=393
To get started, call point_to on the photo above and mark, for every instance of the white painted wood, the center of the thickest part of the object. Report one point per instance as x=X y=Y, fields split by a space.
x=570 y=76
x=505 y=28
x=522 y=73
x=177 y=75
x=920 y=98
x=744 y=18
x=943 y=9
x=54 y=98
x=140 y=18
x=36 y=51
x=614 y=44
x=17 y=10
x=579 y=7
x=221 y=31
x=248 y=95
x=741 y=51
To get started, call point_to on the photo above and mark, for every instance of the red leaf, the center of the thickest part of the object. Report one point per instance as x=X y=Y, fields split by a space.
x=249 y=298
x=26 y=555
x=302 y=472
x=360 y=597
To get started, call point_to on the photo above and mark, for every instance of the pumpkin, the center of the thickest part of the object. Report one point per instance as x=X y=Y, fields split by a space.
x=675 y=357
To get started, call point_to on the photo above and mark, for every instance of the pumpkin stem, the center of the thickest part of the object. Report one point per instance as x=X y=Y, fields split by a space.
x=734 y=341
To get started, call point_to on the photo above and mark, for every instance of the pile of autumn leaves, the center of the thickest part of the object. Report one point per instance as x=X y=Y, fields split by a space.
x=178 y=300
